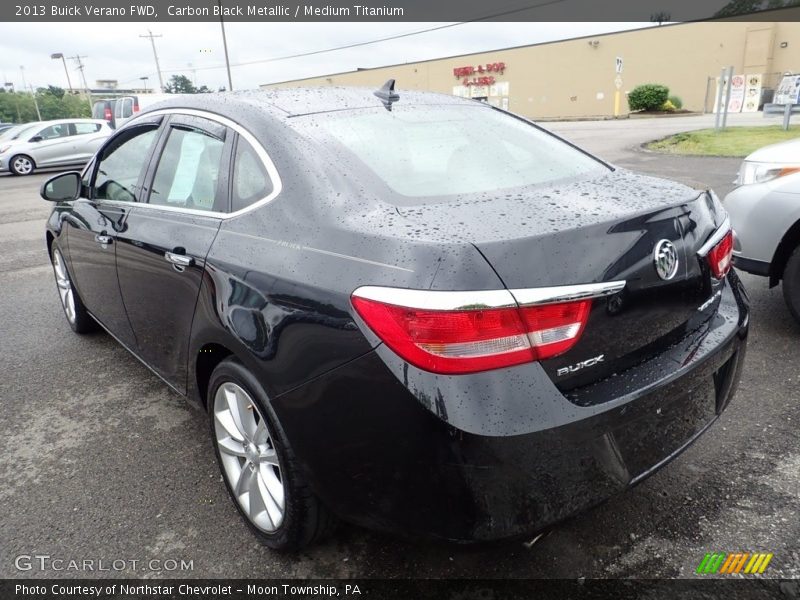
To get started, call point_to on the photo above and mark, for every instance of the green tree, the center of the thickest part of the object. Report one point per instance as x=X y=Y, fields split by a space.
x=180 y=84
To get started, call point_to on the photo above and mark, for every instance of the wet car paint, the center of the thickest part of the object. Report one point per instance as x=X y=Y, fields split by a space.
x=374 y=434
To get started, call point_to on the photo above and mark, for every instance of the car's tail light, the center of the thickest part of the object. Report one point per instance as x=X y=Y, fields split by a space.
x=435 y=333
x=107 y=114
x=135 y=105
x=721 y=256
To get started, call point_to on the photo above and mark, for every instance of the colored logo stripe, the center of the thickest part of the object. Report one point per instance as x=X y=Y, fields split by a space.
x=735 y=562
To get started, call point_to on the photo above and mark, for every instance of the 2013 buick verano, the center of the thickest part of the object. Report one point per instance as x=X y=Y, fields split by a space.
x=414 y=312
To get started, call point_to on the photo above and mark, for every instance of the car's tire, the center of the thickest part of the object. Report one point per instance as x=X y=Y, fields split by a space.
x=78 y=317
x=791 y=284
x=258 y=465
x=21 y=164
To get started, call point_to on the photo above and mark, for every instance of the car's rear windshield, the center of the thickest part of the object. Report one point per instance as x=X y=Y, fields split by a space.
x=445 y=150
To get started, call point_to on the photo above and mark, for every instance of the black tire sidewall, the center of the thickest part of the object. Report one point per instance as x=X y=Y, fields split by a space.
x=791 y=284
x=231 y=370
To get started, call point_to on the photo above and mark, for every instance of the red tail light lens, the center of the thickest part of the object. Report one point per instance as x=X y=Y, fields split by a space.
x=475 y=339
x=721 y=256
x=107 y=114
x=136 y=105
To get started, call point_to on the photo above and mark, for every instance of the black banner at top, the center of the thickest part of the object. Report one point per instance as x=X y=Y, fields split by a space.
x=394 y=10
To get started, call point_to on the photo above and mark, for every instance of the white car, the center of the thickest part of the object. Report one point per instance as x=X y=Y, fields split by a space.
x=51 y=144
x=765 y=213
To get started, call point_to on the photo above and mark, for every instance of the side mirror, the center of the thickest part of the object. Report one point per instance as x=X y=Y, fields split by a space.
x=62 y=188
x=36 y=138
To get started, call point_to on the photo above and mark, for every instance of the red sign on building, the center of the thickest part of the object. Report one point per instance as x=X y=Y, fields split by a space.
x=476 y=73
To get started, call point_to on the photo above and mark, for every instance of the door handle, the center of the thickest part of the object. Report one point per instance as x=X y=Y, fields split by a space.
x=180 y=260
x=103 y=240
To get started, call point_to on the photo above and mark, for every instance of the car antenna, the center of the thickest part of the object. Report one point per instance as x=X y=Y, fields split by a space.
x=387 y=94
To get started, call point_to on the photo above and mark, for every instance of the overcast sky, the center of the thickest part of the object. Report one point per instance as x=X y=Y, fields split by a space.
x=115 y=50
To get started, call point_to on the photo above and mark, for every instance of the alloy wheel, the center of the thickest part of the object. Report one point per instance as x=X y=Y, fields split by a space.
x=249 y=458
x=22 y=165
x=64 y=285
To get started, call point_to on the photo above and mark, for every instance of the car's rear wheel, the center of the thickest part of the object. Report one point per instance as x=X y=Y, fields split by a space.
x=21 y=165
x=791 y=284
x=258 y=464
x=78 y=317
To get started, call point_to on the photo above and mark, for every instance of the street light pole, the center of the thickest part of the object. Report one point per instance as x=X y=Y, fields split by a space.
x=225 y=46
x=56 y=56
x=144 y=79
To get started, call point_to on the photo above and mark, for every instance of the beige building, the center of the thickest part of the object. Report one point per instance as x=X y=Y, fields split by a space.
x=578 y=77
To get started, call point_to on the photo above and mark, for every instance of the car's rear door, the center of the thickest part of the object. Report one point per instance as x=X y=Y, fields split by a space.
x=123 y=110
x=161 y=254
x=99 y=216
x=87 y=137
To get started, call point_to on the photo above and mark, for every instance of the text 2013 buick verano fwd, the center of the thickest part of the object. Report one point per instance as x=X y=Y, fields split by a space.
x=416 y=313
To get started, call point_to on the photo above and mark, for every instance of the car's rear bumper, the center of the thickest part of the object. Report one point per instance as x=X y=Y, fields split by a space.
x=463 y=459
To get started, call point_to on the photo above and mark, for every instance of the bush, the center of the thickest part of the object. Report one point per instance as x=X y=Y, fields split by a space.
x=649 y=96
x=668 y=106
x=676 y=102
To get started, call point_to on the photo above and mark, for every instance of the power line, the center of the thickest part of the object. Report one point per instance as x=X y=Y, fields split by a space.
x=374 y=41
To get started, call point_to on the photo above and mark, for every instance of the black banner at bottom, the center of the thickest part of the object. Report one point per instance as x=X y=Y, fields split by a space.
x=440 y=589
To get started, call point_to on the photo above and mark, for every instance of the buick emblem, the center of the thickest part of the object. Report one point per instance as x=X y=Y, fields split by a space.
x=665 y=257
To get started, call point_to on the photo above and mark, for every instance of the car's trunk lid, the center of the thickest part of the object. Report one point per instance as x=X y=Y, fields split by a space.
x=601 y=230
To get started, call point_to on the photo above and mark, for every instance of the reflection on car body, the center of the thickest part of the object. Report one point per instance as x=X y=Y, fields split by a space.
x=383 y=311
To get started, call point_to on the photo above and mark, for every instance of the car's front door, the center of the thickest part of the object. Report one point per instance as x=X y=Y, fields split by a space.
x=50 y=144
x=99 y=216
x=161 y=253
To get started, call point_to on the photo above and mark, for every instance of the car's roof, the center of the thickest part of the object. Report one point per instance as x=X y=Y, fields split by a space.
x=303 y=101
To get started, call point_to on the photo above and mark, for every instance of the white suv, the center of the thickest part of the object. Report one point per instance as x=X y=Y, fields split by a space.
x=765 y=213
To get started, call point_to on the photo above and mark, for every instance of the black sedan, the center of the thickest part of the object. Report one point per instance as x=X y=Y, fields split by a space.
x=409 y=311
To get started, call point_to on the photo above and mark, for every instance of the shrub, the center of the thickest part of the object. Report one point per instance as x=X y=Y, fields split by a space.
x=649 y=96
x=668 y=106
x=676 y=102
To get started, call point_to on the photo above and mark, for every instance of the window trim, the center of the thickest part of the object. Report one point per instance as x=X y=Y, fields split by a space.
x=272 y=171
x=168 y=125
x=97 y=160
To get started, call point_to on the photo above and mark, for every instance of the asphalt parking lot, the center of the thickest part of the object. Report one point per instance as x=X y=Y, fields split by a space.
x=99 y=460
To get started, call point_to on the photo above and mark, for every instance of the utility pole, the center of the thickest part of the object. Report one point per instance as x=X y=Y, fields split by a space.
x=225 y=46
x=81 y=66
x=152 y=39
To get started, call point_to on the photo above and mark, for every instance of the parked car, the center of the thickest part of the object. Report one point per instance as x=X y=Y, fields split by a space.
x=104 y=109
x=418 y=313
x=117 y=111
x=52 y=144
x=13 y=132
x=765 y=212
x=5 y=127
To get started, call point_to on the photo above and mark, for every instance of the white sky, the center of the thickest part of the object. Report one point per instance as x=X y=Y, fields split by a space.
x=115 y=50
